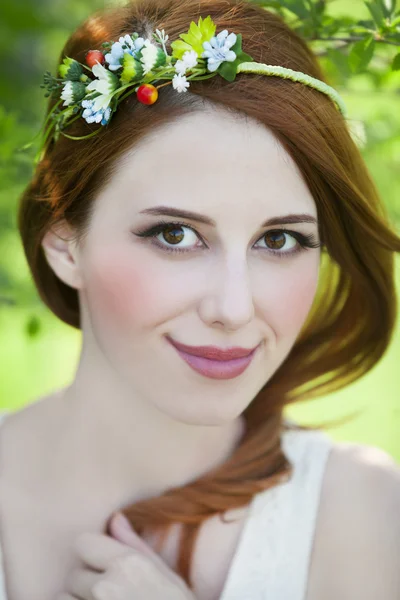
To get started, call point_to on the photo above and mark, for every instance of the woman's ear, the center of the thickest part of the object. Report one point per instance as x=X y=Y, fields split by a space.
x=62 y=254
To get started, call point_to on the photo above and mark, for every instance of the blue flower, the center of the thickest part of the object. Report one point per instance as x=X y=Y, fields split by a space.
x=218 y=49
x=117 y=51
x=92 y=116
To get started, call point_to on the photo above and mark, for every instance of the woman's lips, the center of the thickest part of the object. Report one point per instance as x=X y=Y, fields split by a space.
x=212 y=352
x=217 y=369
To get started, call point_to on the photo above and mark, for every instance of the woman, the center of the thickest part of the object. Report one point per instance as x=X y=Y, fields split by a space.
x=240 y=214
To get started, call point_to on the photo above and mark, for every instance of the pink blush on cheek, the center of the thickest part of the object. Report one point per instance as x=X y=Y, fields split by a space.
x=119 y=289
x=293 y=302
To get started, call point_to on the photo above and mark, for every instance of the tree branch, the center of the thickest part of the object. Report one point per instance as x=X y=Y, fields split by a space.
x=351 y=39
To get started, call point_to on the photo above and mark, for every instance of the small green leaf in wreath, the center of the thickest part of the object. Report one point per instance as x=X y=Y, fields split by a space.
x=204 y=31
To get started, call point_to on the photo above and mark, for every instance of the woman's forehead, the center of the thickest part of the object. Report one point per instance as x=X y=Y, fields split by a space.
x=209 y=154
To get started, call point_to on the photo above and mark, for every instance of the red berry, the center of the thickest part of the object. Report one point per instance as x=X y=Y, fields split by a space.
x=147 y=93
x=94 y=56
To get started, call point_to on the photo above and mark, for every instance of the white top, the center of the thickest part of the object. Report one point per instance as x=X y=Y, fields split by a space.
x=272 y=558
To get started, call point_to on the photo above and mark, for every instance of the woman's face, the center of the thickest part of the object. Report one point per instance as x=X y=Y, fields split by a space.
x=234 y=283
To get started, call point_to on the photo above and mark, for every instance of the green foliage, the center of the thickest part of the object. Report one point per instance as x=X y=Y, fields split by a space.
x=314 y=21
x=32 y=326
x=361 y=53
x=228 y=69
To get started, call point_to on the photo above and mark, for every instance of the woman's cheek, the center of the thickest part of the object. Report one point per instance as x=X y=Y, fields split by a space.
x=127 y=289
x=293 y=298
x=122 y=289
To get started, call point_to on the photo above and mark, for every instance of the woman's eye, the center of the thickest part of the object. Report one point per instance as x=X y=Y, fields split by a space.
x=279 y=242
x=173 y=234
x=169 y=237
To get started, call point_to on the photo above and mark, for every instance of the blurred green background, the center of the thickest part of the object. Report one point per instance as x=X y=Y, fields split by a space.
x=38 y=353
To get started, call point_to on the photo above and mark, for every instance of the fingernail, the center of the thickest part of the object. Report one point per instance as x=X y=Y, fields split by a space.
x=123 y=521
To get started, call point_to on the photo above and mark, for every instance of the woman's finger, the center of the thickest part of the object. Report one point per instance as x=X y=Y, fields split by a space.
x=80 y=583
x=97 y=551
x=102 y=591
x=107 y=590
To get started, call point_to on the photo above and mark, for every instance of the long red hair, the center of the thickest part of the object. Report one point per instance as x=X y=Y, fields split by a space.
x=352 y=319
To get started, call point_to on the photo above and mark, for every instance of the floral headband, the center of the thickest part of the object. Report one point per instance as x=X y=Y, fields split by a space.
x=136 y=64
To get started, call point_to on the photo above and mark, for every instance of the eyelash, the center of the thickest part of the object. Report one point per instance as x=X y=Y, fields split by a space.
x=304 y=241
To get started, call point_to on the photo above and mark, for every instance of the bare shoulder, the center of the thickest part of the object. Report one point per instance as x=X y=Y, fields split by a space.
x=356 y=552
x=23 y=433
x=35 y=410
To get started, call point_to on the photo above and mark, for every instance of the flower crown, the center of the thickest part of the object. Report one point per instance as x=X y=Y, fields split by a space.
x=136 y=64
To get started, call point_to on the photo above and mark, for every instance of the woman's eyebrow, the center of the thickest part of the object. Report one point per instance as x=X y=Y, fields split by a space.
x=169 y=211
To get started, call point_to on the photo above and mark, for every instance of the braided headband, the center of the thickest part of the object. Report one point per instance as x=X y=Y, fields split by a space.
x=136 y=64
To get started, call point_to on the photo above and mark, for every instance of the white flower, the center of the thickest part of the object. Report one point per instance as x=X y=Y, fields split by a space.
x=180 y=67
x=180 y=83
x=162 y=38
x=67 y=93
x=218 y=49
x=106 y=83
x=161 y=35
x=189 y=60
x=149 y=56
x=105 y=86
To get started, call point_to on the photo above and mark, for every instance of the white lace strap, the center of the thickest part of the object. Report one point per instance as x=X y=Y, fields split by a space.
x=272 y=558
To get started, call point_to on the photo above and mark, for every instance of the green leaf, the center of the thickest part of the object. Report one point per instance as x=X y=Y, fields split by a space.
x=228 y=70
x=297 y=7
x=387 y=7
x=276 y=4
x=361 y=54
x=316 y=10
x=320 y=7
x=32 y=326
x=396 y=63
x=375 y=8
x=237 y=48
x=367 y=24
x=340 y=60
x=179 y=48
x=198 y=33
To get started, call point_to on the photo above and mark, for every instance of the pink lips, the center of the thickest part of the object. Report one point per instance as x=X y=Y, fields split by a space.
x=213 y=367
x=212 y=352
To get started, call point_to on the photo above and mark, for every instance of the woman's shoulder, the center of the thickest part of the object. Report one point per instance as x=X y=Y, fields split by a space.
x=24 y=437
x=31 y=411
x=356 y=471
x=356 y=550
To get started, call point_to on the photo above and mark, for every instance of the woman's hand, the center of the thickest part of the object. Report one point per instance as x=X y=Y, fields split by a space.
x=122 y=567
